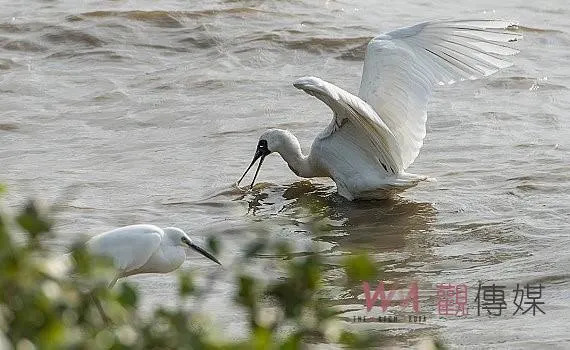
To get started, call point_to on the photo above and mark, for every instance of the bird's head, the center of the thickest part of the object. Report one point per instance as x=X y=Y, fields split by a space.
x=178 y=237
x=273 y=140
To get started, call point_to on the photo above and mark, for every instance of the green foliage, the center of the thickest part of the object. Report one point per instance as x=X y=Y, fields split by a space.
x=32 y=222
x=44 y=304
x=360 y=268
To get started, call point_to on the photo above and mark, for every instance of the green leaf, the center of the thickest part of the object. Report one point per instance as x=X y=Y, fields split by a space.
x=213 y=244
x=261 y=339
x=360 y=268
x=292 y=342
x=32 y=222
x=127 y=296
x=247 y=291
x=185 y=284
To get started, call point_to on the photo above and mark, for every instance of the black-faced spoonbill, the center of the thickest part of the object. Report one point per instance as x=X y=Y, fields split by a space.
x=375 y=136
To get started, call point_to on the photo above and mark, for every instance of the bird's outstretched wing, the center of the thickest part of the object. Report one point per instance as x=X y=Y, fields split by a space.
x=401 y=68
x=348 y=108
x=130 y=247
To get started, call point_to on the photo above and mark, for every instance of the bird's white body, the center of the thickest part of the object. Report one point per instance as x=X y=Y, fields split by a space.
x=140 y=249
x=375 y=136
x=357 y=172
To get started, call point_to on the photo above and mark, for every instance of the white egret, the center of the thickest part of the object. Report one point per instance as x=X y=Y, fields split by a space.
x=139 y=249
x=375 y=136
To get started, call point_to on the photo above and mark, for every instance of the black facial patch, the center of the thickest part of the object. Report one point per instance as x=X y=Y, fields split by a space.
x=262 y=144
x=262 y=148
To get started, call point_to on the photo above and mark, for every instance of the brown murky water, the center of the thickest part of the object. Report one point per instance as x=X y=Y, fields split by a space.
x=130 y=112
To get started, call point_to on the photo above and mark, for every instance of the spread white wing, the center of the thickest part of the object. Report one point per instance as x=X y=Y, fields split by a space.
x=347 y=108
x=130 y=247
x=402 y=67
x=400 y=71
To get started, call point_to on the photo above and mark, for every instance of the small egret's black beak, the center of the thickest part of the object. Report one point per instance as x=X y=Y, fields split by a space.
x=261 y=152
x=203 y=252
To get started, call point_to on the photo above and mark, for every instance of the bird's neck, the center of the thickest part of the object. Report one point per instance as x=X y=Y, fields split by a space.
x=297 y=161
x=172 y=257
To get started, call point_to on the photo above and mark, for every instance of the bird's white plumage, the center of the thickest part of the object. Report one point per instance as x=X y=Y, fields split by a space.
x=144 y=249
x=130 y=247
x=352 y=109
x=375 y=136
x=402 y=67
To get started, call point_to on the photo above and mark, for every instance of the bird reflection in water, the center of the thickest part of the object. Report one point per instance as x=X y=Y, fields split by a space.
x=372 y=226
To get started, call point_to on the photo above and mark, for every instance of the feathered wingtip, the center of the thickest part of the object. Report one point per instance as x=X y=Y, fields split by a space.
x=488 y=29
x=473 y=47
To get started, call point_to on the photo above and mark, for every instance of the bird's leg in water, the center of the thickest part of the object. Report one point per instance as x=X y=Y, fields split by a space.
x=106 y=319
x=114 y=280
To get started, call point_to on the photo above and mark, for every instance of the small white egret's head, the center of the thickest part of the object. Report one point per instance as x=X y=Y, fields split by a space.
x=177 y=237
x=273 y=140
